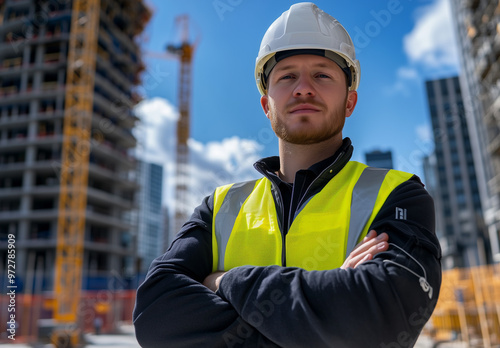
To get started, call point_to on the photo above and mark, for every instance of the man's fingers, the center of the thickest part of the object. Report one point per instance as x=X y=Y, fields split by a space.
x=370 y=235
x=372 y=245
x=355 y=260
x=372 y=240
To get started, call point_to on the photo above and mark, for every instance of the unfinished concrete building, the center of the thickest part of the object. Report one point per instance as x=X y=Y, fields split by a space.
x=34 y=48
x=477 y=24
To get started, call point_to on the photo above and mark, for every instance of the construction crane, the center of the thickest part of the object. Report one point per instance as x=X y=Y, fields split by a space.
x=184 y=51
x=78 y=109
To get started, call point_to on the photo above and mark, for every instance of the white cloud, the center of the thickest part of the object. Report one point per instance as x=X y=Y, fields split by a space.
x=213 y=164
x=403 y=75
x=407 y=73
x=432 y=42
x=424 y=133
x=398 y=87
x=424 y=141
x=220 y=163
x=430 y=48
x=155 y=132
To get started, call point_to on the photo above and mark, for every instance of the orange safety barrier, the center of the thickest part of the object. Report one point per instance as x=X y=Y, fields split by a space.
x=468 y=308
x=111 y=307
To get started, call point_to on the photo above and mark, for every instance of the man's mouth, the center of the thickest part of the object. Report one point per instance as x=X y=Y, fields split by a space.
x=304 y=108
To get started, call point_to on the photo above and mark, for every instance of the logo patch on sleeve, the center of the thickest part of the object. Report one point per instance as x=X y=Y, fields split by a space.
x=400 y=213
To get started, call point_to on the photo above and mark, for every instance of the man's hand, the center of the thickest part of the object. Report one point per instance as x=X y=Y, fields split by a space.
x=367 y=249
x=212 y=281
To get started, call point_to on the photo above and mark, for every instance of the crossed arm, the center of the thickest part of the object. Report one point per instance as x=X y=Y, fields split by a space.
x=371 y=245
x=372 y=301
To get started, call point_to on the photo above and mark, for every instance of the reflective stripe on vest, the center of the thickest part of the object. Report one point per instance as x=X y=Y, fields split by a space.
x=325 y=229
x=228 y=211
x=364 y=196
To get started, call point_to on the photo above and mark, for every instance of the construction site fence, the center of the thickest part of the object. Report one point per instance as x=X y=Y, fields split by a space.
x=108 y=309
x=468 y=308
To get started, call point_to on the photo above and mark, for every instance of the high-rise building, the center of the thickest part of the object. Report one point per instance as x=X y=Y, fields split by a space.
x=478 y=35
x=168 y=232
x=453 y=184
x=34 y=54
x=430 y=166
x=379 y=159
x=150 y=230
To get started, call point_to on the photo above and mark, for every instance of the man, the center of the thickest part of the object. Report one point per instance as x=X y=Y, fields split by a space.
x=263 y=263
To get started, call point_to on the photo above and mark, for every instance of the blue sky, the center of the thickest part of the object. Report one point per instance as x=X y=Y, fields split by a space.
x=400 y=44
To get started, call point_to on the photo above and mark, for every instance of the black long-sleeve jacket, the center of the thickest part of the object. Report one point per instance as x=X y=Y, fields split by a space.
x=384 y=302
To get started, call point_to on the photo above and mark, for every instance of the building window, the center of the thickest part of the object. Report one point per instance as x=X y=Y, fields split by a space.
x=444 y=87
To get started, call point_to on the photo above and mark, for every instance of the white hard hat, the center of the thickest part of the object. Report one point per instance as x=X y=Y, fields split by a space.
x=306 y=28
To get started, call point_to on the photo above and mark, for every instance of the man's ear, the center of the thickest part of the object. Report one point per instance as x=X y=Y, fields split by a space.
x=264 y=102
x=352 y=99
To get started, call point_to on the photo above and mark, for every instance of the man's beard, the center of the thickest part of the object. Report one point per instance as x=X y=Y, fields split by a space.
x=306 y=135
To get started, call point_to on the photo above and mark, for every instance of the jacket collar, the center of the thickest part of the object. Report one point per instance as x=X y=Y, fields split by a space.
x=323 y=170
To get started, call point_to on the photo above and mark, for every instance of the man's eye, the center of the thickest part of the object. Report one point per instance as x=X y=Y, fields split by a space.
x=285 y=77
x=323 y=76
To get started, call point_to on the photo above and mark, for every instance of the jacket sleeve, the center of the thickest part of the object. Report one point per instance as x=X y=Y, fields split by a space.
x=174 y=309
x=384 y=302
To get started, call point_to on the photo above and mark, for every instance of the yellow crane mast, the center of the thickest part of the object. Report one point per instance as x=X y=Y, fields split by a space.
x=184 y=51
x=78 y=109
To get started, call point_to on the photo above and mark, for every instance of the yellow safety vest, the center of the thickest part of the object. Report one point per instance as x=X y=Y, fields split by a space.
x=324 y=230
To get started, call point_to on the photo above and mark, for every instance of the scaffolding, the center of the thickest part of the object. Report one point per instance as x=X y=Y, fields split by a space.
x=468 y=308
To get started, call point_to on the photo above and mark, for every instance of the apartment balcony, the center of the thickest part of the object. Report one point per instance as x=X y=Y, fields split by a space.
x=117 y=34
x=28 y=215
x=494 y=146
x=49 y=114
x=492 y=114
x=494 y=184
x=118 y=111
x=14 y=42
x=113 y=131
x=9 y=64
x=115 y=74
x=13 y=168
x=12 y=94
x=48 y=239
x=7 y=71
x=14 y=22
x=100 y=172
x=101 y=197
x=21 y=141
x=7 y=91
x=113 y=93
x=107 y=248
x=14 y=120
x=114 y=155
x=40 y=243
x=10 y=193
x=104 y=219
x=52 y=214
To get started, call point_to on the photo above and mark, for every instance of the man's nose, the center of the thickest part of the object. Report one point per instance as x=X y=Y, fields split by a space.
x=304 y=87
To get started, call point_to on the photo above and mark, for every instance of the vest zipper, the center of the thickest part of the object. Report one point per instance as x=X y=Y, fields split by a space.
x=284 y=231
x=289 y=222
